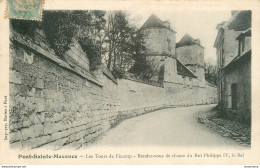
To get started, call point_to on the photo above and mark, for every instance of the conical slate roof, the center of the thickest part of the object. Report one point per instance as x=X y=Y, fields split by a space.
x=153 y=21
x=187 y=40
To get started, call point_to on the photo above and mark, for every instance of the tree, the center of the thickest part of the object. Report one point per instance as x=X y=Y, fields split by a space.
x=211 y=73
x=126 y=47
x=91 y=28
x=108 y=36
x=85 y=26
x=59 y=28
x=146 y=69
x=119 y=34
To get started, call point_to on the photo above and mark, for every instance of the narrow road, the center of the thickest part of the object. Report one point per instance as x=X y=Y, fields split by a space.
x=172 y=127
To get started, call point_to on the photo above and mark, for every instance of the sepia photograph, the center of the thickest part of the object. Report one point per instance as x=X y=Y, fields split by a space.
x=80 y=79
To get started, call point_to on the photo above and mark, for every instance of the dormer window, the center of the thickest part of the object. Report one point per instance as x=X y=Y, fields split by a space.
x=244 y=41
x=241 y=46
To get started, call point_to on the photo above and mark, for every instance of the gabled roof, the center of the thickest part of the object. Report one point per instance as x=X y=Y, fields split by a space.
x=187 y=40
x=239 y=21
x=243 y=55
x=154 y=21
x=183 y=70
x=239 y=60
x=244 y=33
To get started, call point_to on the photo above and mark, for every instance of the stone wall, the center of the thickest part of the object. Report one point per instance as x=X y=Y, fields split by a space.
x=184 y=94
x=211 y=93
x=160 y=41
x=57 y=103
x=238 y=73
x=135 y=95
x=191 y=54
x=53 y=105
x=230 y=45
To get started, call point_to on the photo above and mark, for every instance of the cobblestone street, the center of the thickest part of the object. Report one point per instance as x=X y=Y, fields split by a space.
x=173 y=127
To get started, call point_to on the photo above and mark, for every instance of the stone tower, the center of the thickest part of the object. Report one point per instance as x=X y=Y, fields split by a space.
x=160 y=42
x=190 y=52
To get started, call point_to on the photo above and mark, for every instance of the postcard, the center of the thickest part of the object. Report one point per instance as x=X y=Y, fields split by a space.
x=129 y=82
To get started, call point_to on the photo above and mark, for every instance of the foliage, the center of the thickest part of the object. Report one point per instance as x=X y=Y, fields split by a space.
x=118 y=73
x=24 y=27
x=126 y=46
x=211 y=73
x=119 y=34
x=90 y=27
x=92 y=52
x=145 y=69
x=59 y=28
x=103 y=36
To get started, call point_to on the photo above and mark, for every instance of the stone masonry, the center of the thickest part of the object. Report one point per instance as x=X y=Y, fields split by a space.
x=53 y=105
x=57 y=103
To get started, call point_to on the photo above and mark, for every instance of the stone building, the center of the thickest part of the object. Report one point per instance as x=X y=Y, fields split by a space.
x=191 y=54
x=233 y=46
x=181 y=63
x=161 y=38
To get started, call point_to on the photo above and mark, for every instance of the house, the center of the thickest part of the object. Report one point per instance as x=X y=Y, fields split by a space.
x=233 y=46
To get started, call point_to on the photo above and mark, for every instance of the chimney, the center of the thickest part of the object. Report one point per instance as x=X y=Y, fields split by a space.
x=167 y=23
x=197 y=41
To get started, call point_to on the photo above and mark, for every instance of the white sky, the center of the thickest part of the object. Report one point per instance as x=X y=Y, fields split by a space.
x=198 y=24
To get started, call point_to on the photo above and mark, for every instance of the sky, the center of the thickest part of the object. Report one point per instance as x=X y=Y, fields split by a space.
x=198 y=24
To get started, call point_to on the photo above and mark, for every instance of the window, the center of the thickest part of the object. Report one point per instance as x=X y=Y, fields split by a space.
x=169 y=45
x=234 y=95
x=161 y=73
x=221 y=54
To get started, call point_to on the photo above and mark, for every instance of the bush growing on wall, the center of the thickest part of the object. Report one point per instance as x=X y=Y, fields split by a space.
x=60 y=27
x=24 y=27
x=92 y=52
x=118 y=73
x=145 y=69
x=101 y=34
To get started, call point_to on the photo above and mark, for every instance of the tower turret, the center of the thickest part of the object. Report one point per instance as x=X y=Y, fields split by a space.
x=190 y=52
x=160 y=42
x=160 y=38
